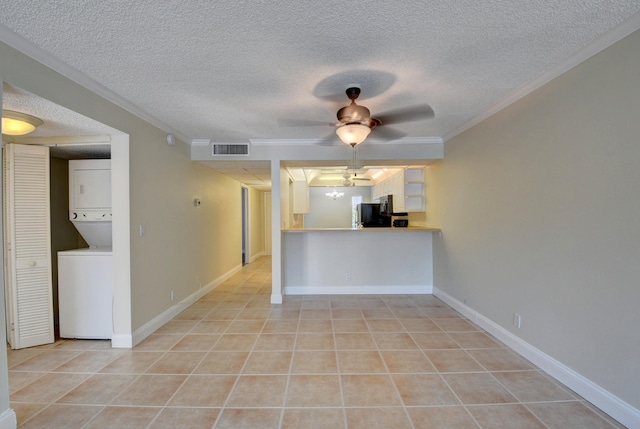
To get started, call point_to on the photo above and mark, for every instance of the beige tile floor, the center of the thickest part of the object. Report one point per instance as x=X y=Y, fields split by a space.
x=233 y=360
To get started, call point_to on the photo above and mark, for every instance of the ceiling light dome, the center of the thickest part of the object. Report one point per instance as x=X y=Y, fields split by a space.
x=18 y=124
x=353 y=134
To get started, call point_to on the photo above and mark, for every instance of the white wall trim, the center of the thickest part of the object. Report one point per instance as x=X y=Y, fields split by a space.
x=256 y=256
x=8 y=419
x=120 y=168
x=276 y=298
x=616 y=34
x=154 y=324
x=121 y=341
x=357 y=290
x=601 y=398
x=433 y=140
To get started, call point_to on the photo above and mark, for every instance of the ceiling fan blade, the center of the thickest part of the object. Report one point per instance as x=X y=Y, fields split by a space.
x=303 y=123
x=328 y=140
x=386 y=133
x=406 y=114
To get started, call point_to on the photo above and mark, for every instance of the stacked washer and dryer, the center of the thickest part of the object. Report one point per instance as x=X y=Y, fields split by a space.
x=85 y=275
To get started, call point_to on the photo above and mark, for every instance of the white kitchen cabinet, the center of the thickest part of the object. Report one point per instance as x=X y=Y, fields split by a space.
x=396 y=183
x=300 y=197
x=377 y=191
x=407 y=188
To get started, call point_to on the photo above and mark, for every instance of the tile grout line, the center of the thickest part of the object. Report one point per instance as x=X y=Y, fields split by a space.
x=164 y=407
x=390 y=375
x=165 y=352
x=443 y=379
x=52 y=371
x=286 y=389
x=338 y=370
x=252 y=292
x=459 y=400
x=238 y=375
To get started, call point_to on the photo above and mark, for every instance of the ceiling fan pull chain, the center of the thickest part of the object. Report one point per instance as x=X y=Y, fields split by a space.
x=355 y=173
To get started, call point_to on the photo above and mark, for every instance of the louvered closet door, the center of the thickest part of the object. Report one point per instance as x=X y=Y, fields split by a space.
x=28 y=243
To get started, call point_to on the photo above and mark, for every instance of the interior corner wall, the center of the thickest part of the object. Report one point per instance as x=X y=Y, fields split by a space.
x=64 y=236
x=540 y=213
x=256 y=223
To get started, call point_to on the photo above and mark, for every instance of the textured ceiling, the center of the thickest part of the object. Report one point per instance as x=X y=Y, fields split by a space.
x=57 y=120
x=79 y=133
x=229 y=71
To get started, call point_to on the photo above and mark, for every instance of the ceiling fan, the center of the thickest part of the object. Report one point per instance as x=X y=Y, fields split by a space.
x=350 y=181
x=355 y=122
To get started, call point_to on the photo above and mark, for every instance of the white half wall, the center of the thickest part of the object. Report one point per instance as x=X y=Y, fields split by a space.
x=363 y=261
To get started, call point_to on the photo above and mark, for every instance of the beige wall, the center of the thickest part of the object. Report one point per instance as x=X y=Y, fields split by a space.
x=540 y=211
x=181 y=243
x=183 y=246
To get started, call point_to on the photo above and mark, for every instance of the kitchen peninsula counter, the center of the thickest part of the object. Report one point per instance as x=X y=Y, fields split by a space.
x=408 y=228
x=357 y=260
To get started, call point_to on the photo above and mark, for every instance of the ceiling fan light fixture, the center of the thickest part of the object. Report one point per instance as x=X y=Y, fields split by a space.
x=18 y=124
x=353 y=134
x=353 y=113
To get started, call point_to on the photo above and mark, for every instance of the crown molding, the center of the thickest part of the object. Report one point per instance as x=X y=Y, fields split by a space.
x=65 y=140
x=373 y=141
x=33 y=51
x=200 y=142
x=616 y=34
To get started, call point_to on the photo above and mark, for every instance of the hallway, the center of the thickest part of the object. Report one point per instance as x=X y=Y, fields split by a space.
x=233 y=360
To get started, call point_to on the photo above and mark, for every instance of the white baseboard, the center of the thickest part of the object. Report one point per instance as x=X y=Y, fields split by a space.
x=154 y=324
x=8 y=419
x=601 y=398
x=276 y=298
x=121 y=341
x=357 y=290
x=254 y=257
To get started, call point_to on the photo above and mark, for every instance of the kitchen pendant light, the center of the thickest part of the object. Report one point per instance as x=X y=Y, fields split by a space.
x=353 y=134
x=18 y=124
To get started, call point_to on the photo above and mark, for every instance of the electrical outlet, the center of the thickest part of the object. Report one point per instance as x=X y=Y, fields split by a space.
x=171 y=295
x=347 y=276
x=517 y=320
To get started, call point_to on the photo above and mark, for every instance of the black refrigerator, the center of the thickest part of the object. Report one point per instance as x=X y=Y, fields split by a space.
x=369 y=216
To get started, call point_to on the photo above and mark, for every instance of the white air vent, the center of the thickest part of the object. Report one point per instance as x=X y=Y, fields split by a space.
x=230 y=149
